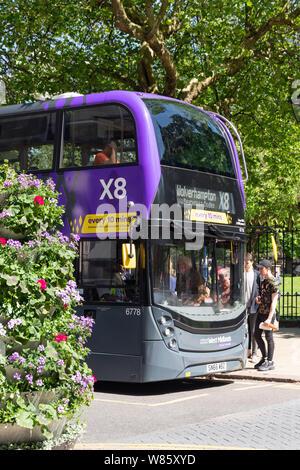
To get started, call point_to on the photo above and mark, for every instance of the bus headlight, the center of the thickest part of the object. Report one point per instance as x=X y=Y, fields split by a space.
x=167 y=328
x=168 y=331
x=173 y=343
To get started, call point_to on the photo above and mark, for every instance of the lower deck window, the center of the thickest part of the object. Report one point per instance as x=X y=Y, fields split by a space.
x=102 y=275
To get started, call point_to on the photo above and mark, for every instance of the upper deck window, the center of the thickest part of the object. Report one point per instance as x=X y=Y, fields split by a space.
x=98 y=135
x=27 y=142
x=189 y=138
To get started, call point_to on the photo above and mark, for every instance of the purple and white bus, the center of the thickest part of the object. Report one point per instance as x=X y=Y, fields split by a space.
x=154 y=189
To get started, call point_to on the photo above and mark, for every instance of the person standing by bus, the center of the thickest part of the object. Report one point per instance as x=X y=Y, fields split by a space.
x=252 y=282
x=266 y=314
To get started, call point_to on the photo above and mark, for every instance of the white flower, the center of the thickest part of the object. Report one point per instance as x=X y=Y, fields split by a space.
x=2 y=330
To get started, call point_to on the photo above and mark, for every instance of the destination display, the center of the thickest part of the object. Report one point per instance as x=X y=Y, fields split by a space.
x=208 y=198
x=203 y=197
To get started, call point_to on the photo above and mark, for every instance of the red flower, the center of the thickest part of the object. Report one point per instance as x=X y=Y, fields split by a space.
x=39 y=200
x=60 y=338
x=94 y=379
x=42 y=283
x=2 y=241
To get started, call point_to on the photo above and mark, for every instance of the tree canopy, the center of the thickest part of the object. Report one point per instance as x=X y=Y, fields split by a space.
x=237 y=58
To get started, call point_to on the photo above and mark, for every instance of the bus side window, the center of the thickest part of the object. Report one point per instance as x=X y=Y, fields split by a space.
x=27 y=142
x=89 y=134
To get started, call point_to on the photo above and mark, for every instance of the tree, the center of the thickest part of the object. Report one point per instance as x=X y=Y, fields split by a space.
x=236 y=58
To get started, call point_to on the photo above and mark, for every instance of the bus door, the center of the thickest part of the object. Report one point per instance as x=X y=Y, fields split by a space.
x=113 y=296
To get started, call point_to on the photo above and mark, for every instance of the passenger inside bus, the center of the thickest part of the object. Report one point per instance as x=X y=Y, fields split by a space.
x=108 y=156
x=224 y=289
x=173 y=278
x=191 y=288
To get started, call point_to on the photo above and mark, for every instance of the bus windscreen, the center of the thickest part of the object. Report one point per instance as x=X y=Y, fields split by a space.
x=205 y=283
x=189 y=138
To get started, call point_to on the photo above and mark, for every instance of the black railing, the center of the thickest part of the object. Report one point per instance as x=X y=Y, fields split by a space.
x=287 y=264
x=289 y=306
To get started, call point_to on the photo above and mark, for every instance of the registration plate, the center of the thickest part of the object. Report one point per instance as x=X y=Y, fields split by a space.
x=216 y=367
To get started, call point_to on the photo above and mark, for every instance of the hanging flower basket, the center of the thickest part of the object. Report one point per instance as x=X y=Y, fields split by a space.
x=3 y=198
x=13 y=433
x=36 y=397
x=44 y=380
x=11 y=372
x=17 y=434
x=28 y=345
x=8 y=233
x=65 y=441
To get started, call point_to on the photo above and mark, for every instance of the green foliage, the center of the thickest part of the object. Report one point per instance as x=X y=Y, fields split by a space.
x=27 y=205
x=236 y=58
x=272 y=193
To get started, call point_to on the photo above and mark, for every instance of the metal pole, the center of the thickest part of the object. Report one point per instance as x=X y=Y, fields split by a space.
x=292 y=278
x=283 y=271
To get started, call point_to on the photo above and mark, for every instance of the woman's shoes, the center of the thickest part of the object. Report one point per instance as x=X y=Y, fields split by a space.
x=263 y=365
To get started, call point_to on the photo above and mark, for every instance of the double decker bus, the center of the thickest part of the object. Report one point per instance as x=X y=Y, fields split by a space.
x=153 y=187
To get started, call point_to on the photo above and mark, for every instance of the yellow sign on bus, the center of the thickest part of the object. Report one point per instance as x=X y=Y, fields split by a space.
x=108 y=223
x=199 y=215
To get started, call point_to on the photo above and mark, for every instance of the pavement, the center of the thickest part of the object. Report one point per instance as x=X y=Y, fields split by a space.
x=286 y=359
x=243 y=430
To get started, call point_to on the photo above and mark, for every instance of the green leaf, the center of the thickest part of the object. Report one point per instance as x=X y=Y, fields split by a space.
x=45 y=431
x=24 y=419
x=41 y=419
x=49 y=410
x=51 y=351
x=23 y=220
x=23 y=287
x=12 y=280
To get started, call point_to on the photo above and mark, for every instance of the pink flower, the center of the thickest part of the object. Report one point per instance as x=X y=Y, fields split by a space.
x=2 y=241
x=60 y=338
x=39 y=200
x=42 y=283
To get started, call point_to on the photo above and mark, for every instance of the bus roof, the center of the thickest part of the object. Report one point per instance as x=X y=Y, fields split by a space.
x=131 y=99
x=70 y=100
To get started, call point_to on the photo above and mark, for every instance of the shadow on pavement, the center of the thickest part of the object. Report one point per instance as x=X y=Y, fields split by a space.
x=158 y=388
